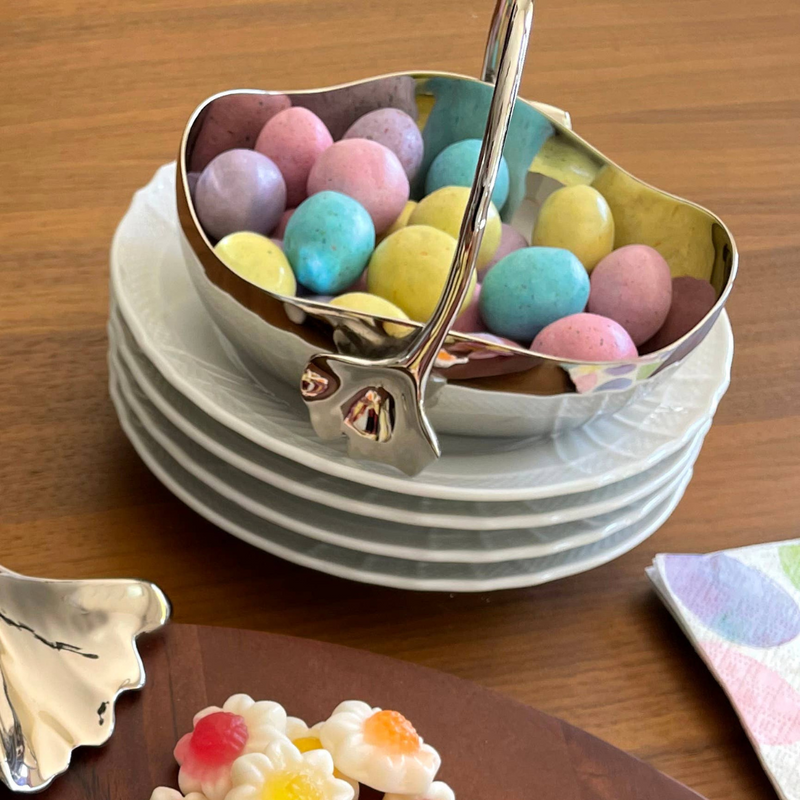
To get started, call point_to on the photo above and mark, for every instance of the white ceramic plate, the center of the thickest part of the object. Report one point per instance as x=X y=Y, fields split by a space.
x=359 y=533
x=172 y=328
x=375 y=569
x=353 y=498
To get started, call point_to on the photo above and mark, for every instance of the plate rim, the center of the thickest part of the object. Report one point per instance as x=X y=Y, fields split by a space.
x=373 y=510
x=381 y=579
x=391 y=482
x=310 y=530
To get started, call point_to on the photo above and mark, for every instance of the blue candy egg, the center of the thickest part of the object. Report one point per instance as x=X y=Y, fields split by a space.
x=456 y=165
x=530 y=288
x=328 y=242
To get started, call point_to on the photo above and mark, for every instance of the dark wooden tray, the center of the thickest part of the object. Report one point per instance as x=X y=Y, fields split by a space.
x=491 y=746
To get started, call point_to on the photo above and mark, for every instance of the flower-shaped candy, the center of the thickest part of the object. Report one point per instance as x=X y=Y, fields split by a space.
x=306 y=739
x=438 y=791
x=219 y=737
x=165 y=793
x=282 y=772
x=379 y=748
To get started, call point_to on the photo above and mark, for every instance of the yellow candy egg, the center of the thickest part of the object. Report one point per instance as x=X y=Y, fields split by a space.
x=410 y=268
x=401 y=221
x=258 y=260
x=372 y=304
x=578 y=219
x=444 y=209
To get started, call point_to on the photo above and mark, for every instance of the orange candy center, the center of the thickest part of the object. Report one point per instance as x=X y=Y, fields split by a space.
x=392 y=732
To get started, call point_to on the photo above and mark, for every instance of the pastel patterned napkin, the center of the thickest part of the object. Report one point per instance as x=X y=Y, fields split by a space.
x=741 y=611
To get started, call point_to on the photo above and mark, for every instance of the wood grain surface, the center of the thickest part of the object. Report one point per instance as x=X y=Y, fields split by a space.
x=699 y=97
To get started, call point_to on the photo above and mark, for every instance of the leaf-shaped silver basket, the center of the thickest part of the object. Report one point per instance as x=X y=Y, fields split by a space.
x=67 y=651
x=374 y=388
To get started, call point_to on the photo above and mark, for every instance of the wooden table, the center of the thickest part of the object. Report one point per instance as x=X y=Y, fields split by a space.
x=700 y=97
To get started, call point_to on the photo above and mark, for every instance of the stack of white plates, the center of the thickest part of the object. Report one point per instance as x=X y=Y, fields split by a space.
x=490 y=514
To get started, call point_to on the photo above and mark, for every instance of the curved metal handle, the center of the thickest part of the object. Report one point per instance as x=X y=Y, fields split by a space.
x=507 y=48
x=380 y=405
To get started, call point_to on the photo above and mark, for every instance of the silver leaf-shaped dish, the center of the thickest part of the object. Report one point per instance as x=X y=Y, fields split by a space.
x=67 y=651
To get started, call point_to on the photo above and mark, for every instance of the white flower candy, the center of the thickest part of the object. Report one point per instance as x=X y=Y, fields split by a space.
x=220 y=736
x=165 y=793
x=438 y=791
x=282 y=772
x=379 y=748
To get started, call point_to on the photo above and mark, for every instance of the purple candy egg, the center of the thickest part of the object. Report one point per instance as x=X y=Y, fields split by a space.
x=394 y=129
x=240 y=190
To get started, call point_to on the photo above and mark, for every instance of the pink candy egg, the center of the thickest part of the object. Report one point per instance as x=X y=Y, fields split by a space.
x=469 y=320
x=633 y=286
x=280 y=228
x=585 y=337
x=366 y=171
x=293 y=139
x=394 y=129
x=692 y=299
x=510 y=240
x=232 y=121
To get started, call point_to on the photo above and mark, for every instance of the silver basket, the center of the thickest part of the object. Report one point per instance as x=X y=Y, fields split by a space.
x=359 y=382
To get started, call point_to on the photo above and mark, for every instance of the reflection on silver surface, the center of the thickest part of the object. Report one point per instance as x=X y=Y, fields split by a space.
x=67 y=650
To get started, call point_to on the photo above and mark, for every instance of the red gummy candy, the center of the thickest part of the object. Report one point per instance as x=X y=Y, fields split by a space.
x=218 y=739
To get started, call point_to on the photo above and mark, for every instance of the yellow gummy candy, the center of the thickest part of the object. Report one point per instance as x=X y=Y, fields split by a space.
x=258 y=260
x=444 y=209
x=307 y=743
x=578 y=219
x=372 y=304
x=410 y=268
x=293 y=786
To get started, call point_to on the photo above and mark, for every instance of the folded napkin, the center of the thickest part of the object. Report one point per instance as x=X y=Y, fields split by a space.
x=741 y=611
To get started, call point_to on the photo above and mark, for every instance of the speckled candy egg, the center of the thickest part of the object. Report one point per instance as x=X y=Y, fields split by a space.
x=510 y=240
x=444 y=209
x=240 y=190
x=585 y=337
x=372 y=304
x=456 y=165
x=578 y=219
x=367 y=172
x=294 y=139
x=234 y=121
x=692 y=299
x=258 y=260
x=633 y=286
x=530 y=288
x=328 y=242
x=394 y=129
x=410 y=268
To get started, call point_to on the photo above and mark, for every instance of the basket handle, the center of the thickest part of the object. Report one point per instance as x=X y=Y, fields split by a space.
x=504 y=61
x=380 y=405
